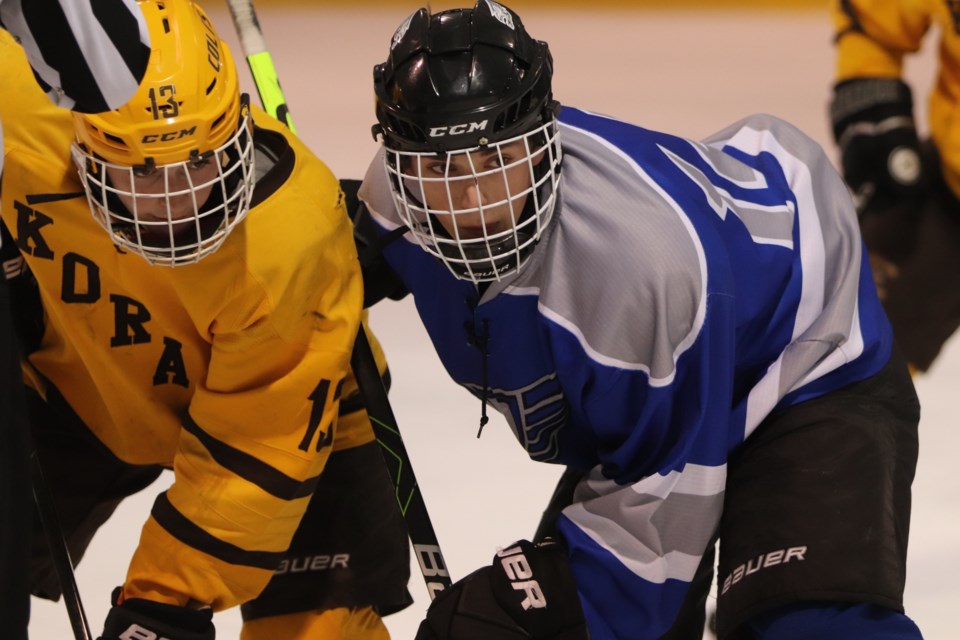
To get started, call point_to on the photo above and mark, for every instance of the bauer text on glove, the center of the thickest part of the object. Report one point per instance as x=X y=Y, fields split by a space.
x=526 y=593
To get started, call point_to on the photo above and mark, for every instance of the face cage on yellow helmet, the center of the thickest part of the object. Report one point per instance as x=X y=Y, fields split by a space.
x=184 y=220
x=479 y=252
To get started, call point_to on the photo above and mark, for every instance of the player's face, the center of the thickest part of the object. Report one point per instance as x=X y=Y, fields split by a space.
x=473 y=194
x=189 y=187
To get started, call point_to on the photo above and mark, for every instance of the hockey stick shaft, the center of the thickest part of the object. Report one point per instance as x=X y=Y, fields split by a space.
x=372 y=390
x=259 y=60
x=16 y=500
x=59 y=553
x=412 y=506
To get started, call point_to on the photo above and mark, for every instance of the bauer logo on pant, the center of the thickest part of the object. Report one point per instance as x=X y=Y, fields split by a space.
x=763 y=561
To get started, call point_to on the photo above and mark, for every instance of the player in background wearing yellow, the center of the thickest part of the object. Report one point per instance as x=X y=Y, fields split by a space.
x=907 y=183
x=190 y=302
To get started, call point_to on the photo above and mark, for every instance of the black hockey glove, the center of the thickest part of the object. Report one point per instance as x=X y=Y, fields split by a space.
x=138 y=619
x=527 y=593
x=873 y=125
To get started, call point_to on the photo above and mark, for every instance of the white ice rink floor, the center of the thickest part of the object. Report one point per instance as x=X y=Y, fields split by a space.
x=687 y=72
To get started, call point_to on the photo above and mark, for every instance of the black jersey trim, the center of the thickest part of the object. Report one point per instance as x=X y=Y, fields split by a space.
x=856 y=25
x=274 y=482
x=187 y=532
x=351 y=404
x=354 y=402
x=45 y=198
x=275 y=146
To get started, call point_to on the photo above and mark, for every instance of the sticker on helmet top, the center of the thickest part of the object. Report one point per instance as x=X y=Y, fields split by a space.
x=402 y=30
x=501 y=13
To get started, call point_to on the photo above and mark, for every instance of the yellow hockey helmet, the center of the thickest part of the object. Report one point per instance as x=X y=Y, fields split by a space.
x=171 y=173
x=188 y=102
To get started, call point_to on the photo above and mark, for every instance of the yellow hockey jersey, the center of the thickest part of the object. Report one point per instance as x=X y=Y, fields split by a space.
x=228 y=371
x=873 y=38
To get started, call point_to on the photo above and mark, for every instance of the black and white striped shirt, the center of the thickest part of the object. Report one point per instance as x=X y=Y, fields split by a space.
x=88 y=56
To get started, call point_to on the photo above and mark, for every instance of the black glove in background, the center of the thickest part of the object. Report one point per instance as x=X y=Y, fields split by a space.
x=882 y=163
x=872 y=121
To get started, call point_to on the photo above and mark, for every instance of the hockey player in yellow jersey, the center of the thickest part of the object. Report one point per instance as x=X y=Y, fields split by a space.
x=200 y=320
x=908 y=184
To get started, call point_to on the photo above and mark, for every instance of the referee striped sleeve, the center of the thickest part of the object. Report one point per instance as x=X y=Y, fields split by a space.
x=89 y=55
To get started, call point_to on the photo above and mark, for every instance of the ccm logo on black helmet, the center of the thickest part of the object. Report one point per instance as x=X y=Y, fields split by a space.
x=458 y=129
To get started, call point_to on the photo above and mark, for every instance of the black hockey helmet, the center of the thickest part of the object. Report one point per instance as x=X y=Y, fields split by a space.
x=479 y=79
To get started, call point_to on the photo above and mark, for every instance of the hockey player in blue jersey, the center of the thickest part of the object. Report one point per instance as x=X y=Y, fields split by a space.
x=690 y=327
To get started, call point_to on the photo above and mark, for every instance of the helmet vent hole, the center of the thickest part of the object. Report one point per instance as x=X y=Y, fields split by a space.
x=525 y=104
x=406 y=129
x=166 y=26
x=212 y=85
x=112 y=138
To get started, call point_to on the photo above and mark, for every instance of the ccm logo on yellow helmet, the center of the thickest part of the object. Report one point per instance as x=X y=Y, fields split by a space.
x=168 y=136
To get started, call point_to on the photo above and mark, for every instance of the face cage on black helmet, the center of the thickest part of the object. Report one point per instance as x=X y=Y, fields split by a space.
x=486 y=240
x=172 y=240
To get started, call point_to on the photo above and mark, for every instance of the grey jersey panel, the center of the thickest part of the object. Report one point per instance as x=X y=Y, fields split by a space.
x=826 y=334
x=631 y=290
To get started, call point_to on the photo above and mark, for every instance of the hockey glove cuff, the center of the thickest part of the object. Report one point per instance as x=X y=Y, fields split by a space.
x=138 y=618
x=872 y=120
x=527 y=593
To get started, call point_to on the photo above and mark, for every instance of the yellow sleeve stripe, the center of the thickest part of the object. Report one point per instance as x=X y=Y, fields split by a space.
x=251 y=469
x=181 y=528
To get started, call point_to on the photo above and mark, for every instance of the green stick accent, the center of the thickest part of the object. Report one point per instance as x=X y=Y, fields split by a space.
x=268 y=85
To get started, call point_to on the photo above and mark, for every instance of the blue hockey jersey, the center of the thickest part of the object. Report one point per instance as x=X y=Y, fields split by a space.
x=682 y=292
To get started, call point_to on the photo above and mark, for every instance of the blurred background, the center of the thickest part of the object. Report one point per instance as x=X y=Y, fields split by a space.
x=687 y=67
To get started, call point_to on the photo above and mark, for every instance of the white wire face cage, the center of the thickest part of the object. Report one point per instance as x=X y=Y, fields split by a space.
x=183 y=217
x=488 y=237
